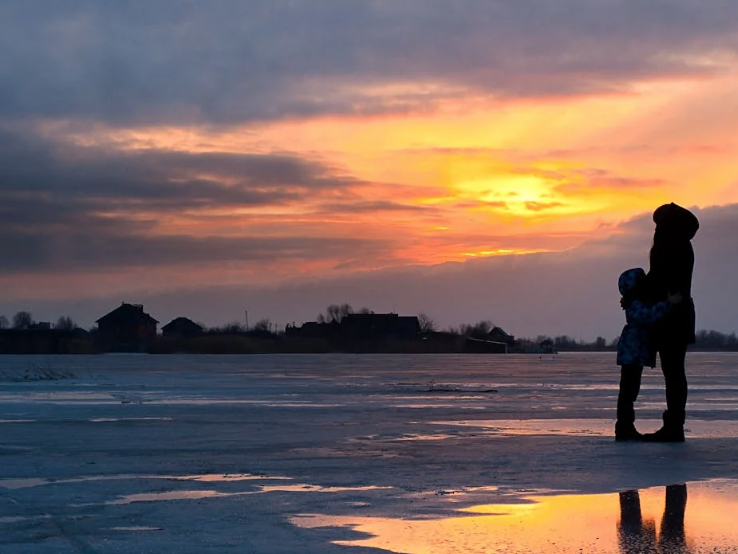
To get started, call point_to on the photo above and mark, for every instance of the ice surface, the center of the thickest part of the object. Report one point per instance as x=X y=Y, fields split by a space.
x=348 y=453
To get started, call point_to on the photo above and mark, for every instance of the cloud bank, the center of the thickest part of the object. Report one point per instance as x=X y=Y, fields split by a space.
x=228 y=61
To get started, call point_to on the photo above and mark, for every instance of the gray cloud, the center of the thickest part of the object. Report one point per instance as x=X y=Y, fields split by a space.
x=374 y=206
x=97 y=251
x=226 y=61
x=65 y=208
x=30 y=164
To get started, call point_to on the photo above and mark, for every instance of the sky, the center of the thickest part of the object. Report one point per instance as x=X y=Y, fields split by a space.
x=472 y=160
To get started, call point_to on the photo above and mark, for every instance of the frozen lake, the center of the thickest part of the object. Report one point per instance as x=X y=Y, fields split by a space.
x=358 y=453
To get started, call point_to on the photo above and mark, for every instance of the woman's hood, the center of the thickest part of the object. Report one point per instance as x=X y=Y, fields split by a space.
x=674 y=220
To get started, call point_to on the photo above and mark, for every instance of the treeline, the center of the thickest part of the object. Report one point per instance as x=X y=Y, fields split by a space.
x=24 y=320
x=564 y=343
x=707 y=340
x=716 y=341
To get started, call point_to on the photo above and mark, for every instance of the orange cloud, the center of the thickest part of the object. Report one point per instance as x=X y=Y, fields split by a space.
x=470 y=166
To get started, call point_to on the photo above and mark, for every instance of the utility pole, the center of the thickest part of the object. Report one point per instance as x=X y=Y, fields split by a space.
x=247 y=319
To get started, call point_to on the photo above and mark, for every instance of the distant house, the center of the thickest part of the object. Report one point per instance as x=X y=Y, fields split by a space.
x=313 y=330
x=126 y=329
x=547 y=346
x=408 y=326
x=497 y=334
x=360 y=327
x=181 y=327
x=373 y=326
x=479 y=346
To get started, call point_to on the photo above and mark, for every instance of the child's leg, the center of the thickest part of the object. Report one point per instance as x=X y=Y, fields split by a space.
x=630 y=386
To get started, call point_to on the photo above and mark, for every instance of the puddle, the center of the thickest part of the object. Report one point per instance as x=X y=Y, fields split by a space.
x=696 y=406
x=15 y=484
x=22 y=483
x=679 y=519
x=57 y=396
x=316 y=488
x=113 y=419
x=136 y=528
x=168 y=495
x=435 y=405
x=203 y=494
x=694 y=428
x=212 y=477
x=561 y=427
x=421 y=437
x=19 y=519
x=433 y=387
x=217 y=477
x=152 y=398
x=229 y=401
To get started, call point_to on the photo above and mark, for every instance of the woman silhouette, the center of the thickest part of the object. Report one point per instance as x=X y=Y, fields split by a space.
x=671 y=265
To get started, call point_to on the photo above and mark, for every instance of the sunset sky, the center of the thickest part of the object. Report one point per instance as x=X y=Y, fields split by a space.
x=212 y=157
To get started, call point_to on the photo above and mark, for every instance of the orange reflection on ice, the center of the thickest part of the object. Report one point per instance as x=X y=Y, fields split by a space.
x=657 y=520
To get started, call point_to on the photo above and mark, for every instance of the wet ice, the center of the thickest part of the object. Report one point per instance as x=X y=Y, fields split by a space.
x=250 y=453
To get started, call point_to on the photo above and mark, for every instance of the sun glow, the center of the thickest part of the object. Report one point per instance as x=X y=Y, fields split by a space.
x=502 y=252
x=464 y=179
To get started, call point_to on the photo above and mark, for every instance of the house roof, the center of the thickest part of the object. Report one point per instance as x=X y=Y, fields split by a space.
x=500 y=332
x=127 y=314
x=182 y=323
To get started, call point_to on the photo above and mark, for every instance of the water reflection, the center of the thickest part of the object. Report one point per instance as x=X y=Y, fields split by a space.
x=649 y=521
x=637 y=536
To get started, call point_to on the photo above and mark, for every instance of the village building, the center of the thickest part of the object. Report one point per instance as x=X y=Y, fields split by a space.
x=498 y=334
x=126 y=329
x=373 y=326
x=182 y=327
x=362 y=327
x=313 y=329
x=481 y=346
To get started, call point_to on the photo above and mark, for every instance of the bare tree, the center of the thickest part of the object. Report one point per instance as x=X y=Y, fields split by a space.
x=478 y=330
x=335 y=312
x=426 y=323
x=65 y=323
x=234 y=327
x=4 y=323
x=22 y=320
x=263 y=325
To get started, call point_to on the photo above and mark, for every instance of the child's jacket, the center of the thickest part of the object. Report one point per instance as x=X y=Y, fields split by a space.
x=634 y=346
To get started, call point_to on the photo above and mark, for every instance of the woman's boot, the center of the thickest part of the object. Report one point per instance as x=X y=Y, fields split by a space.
x=672 y=430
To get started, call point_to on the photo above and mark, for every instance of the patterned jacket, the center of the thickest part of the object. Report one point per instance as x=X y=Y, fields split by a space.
x=634 y=346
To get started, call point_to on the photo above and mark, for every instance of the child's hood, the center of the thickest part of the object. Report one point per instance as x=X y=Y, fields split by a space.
x=630 y=278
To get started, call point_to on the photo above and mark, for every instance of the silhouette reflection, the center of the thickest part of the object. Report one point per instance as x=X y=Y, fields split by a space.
x=639 y=537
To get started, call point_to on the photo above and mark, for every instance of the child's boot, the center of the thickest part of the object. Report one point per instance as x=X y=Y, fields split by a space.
x=626 y=431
